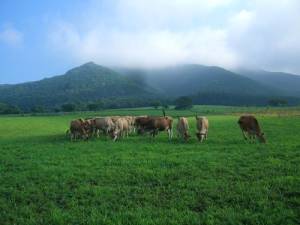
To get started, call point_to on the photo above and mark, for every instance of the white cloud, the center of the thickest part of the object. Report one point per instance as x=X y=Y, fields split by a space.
x=267 y=35
x=145 y=48
x=11 y=36
x=229 y=33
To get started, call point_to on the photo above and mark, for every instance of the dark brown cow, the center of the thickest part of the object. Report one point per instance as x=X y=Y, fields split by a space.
x=154 y=124
x=249 y=125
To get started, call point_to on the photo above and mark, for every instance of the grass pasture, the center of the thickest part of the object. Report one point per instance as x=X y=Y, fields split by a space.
x=46 y=179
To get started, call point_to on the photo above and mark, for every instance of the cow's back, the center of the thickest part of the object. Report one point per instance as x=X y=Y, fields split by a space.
x=75 y=125
x=182 y=124
x=249 y=123
x=162 y=123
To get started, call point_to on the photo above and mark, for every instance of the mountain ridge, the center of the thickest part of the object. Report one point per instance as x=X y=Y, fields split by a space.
x=87 y=82
x=91 y=82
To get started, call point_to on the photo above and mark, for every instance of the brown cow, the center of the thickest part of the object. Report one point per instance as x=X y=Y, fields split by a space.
x=202 y=127
x=249 y=126
x=154 y=124
x=183 y=128
x=79 y=129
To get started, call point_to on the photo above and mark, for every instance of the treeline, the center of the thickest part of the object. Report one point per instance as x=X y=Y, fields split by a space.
x=183 y=102
x=101 y=104
x=9 y=109
x=242 y=100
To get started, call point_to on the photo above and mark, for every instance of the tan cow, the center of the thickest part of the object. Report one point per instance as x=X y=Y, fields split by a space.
x=131 y=122
x=115 y=118
x=202 y=128
x=104 y=124
x=121 y=128
x=249 y=126
x=183 y=128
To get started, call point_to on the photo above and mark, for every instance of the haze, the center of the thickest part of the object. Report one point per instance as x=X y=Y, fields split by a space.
x=40 y=39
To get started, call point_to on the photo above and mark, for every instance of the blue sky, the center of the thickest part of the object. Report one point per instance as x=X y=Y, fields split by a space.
x=45 y=38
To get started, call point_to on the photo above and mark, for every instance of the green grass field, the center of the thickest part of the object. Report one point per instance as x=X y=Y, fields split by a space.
x=46 y=179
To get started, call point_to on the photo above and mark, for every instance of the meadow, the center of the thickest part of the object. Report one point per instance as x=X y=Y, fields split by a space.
x=46 y=179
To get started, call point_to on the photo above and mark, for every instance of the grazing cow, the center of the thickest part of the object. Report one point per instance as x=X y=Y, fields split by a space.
x=249 y=125
x=78 y=129
x=131 y=123
x=121 y=129
x=154 y=124
x=92 y=126
x=115 y=118
x=183 y=128
x=202 y=128
x=104 y=124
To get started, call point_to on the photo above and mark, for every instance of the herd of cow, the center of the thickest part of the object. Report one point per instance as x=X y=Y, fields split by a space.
x=118 y=127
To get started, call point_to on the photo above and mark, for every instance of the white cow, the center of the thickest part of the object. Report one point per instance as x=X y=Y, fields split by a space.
x=183 y=128
x=202 y=128
x=121 y=128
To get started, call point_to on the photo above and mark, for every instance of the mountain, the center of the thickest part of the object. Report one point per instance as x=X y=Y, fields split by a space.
x=192 y=79
x=289 y=84
x=209 y=85
x=88 y=82
x=123 y=87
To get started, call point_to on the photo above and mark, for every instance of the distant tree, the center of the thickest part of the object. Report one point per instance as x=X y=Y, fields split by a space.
x=183 y=102
x=156 y=104
x=68 y=107
x=278 y=102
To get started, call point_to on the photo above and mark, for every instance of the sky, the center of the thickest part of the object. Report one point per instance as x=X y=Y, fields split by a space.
x=41 y=39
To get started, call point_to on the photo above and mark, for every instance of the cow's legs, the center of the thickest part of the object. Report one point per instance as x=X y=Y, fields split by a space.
x=244 y=134
x=154 y=133
x=169 y=134
x=115 y=138
x=202 y=138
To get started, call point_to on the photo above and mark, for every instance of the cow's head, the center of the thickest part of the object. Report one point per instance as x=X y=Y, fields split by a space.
x=261 y=138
